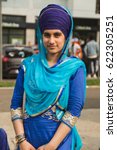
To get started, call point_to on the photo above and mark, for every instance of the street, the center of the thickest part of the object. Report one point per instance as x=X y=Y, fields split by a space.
x=92 y=98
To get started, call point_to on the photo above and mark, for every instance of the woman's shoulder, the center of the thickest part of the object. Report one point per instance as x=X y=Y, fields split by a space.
x=74 y=58
x=80 y=63
x=30 y=59
x=26 y=63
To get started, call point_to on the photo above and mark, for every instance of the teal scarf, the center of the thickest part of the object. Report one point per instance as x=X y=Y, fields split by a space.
x=42 y=83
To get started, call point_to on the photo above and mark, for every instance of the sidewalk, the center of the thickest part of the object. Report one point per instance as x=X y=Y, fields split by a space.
x=88 y=126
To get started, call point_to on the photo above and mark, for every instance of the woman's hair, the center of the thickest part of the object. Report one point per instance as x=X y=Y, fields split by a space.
x=55 y=17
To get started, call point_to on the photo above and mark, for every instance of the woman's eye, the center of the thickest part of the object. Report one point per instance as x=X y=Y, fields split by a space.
x=57 y=34
x=46 y=35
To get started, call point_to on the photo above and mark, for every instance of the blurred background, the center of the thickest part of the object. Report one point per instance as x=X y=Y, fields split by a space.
x=18 y=29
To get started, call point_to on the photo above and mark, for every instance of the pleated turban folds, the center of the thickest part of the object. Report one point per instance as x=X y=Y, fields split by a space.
x=55 y=17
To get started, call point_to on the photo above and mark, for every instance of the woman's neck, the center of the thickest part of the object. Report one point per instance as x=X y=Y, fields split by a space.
x=52 y=59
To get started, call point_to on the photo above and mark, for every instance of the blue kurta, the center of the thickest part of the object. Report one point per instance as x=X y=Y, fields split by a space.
x=39 y=130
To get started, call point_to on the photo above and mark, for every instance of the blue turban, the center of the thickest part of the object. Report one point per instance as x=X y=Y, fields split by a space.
x=55 y=17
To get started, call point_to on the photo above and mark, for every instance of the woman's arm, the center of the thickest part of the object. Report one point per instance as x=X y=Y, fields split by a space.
x=17 y=103
x=75 y=105
x=58 y=137
x=77 y=93
x=17 y=112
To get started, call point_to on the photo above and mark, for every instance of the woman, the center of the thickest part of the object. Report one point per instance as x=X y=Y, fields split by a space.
x=54 y=86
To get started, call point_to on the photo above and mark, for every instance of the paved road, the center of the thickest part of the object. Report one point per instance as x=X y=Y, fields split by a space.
x=92 y=98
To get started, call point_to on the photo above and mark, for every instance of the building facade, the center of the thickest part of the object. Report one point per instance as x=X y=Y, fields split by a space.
x=19 y=19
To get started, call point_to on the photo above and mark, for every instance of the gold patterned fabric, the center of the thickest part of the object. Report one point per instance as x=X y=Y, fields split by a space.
x=69 y=119
x=16 y=113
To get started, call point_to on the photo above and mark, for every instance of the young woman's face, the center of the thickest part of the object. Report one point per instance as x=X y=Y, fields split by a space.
x=53 y=41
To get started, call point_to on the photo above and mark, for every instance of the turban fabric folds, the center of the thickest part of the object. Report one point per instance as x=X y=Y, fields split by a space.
x=55 y=17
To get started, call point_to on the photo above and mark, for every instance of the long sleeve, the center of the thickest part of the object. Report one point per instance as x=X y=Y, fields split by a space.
x=76 y=98
x=77 y=93
x=17 y=98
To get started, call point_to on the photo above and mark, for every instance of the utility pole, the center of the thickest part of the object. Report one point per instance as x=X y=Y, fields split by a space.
x=0 y=39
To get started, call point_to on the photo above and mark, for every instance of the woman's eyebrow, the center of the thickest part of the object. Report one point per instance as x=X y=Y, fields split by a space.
x=59 y=33
x=46 y=33
x=55 y=33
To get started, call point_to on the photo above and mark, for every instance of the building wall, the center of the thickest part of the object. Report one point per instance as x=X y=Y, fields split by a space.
x=85 y=9
x=31 y=8
x=79 y=8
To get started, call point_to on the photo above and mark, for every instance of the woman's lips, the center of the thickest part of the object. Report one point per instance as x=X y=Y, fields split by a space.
x=52 y=47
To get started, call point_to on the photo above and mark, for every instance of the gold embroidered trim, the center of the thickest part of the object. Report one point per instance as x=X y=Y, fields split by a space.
x=53 y=108
x=69 y=119
x=17 y=112
x=59 y=106
x=50 y=116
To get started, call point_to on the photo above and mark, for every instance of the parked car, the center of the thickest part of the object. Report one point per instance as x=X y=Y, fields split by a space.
x=12 y=58
x=35 y=49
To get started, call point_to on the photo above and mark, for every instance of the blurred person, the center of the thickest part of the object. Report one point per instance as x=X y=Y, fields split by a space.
x=91 y=51
x=35 y=49
x=3 y=140
x=54 y=85
x=76 y=48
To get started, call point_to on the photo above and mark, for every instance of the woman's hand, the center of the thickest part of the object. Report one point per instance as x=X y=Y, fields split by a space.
x=47 y=147
x=25 y=145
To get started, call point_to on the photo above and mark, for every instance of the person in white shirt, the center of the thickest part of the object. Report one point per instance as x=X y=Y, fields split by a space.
x=76 y=48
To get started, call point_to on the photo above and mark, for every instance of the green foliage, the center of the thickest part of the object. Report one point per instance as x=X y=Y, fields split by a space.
x=11 y=83
x=7 y=83
x=92 y=82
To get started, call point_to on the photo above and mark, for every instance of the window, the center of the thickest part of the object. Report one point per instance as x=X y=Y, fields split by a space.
x=97 y=6
x=13 y=19
x=12 y=35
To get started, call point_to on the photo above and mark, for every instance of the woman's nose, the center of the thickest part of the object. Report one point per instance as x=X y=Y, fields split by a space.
x=51 y=40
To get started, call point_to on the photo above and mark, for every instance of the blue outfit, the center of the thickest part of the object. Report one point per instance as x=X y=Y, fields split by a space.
x=42 y=125
x=52 y=93
x=3 y=140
